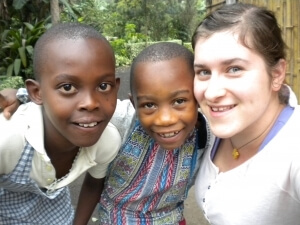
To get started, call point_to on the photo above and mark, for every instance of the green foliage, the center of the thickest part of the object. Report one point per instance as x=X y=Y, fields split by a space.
x=188 y=45
x=122 y=61
x=11 y=82
x=89 y=12
x=16 y=49
x=125 y=22
x=19 y=4
x=161 y=20
x=123 y=47
x=130 y=25
x=30 y=10
x=119 y=46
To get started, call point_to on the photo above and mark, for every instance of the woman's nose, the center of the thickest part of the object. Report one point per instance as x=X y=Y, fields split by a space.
x=215 y=88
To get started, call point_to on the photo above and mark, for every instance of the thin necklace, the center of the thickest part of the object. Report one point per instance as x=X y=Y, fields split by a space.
x=236 y=151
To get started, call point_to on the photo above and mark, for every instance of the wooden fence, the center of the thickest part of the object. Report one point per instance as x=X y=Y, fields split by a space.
x=288 y=15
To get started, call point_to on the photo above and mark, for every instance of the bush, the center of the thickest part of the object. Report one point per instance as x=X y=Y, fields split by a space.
x=16 y=49
x=188 y=45
x=11 y=82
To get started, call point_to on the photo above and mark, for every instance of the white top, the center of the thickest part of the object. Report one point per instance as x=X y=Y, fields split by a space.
x=265 y=190
x=124 y=118
x=27 y=123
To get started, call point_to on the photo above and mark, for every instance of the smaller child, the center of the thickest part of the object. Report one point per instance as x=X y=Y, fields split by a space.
x=149 y=179
x=51 y=141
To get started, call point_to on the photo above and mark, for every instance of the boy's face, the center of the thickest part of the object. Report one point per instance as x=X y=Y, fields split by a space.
x=164 y=100
x=78 y=90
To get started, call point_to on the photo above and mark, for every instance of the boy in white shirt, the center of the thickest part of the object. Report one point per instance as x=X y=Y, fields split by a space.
x=63 y=132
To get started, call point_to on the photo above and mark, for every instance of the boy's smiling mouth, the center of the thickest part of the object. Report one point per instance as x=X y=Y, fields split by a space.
x=92 y=124
x=168 y=135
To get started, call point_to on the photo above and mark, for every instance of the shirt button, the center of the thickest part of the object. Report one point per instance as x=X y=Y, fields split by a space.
x=49 y=168
x=49 y=180
x=203 y=199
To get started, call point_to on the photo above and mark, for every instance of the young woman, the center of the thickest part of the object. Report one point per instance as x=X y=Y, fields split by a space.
x=251 y=175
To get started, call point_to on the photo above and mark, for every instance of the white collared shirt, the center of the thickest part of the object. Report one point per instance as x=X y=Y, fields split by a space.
x=27 y=123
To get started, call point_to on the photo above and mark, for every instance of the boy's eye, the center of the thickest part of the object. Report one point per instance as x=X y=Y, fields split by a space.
x=179 y=101
x=68 y=89
x=105 y=87
x=149 y=106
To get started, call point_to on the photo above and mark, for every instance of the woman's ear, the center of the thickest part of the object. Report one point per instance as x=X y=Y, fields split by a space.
x=33 y=88
x=278 y=74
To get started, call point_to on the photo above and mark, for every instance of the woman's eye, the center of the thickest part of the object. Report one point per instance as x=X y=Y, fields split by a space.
x=105 y=87
x=68 y=88
x=202 y=73
x=234 y=70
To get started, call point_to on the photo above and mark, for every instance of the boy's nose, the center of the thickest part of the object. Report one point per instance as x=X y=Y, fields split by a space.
x=90 y=101
x=165 y=117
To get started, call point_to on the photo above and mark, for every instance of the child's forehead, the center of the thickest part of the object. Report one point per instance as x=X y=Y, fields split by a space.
x=76 y=42
x=166 y=74
x=86 y=48
x=171 y=69
x=79 y=58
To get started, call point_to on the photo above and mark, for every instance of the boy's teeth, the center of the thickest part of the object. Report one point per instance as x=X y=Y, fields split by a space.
x=88 y=124
x=167 y=135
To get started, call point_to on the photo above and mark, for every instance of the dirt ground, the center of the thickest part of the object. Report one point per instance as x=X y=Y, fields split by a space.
x=192 y=212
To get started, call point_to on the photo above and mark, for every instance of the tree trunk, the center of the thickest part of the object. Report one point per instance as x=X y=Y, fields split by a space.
x=54 y=7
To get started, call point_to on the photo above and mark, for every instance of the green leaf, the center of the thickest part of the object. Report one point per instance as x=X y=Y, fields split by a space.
x=9 y=70
x=29 y=26
x=29 y=49
x=23 y=56
x=67 y=5
x=18 y=4
x=17 y=66
x=4 y=35
x=8 y=45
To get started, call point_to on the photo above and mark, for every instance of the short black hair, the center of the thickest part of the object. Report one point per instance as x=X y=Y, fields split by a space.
x=62 y=31
x=161 y=51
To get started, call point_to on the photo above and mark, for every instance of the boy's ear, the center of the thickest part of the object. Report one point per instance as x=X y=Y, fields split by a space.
x=278 y=75
x=33 y=88
x=131 y=99
x=118 y=80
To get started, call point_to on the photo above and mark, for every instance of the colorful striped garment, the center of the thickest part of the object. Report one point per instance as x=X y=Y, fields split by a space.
x=147 y=184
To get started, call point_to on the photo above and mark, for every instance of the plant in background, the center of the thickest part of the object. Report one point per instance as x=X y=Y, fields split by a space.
x=90 y=12
x=16 y=49
x=11 y=82
x=123 y=47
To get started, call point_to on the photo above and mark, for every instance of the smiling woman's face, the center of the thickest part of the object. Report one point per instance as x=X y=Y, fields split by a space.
x=232 y=85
